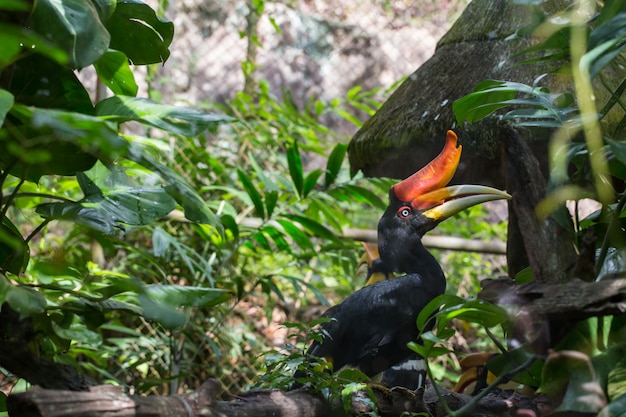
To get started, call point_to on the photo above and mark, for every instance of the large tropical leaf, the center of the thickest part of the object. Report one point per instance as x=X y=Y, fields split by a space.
x=180 y=120
x=14 y=40
x=137 y=31
x=111 y=201
x=75 y=26
x=43 y=82
x=115 y=73
x=41 y=142
x=196 y=209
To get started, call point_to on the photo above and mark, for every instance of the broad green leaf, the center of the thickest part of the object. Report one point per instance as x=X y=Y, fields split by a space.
x=112 y=203
x=105 y=8
x=15 y=40
x=435 y=304
x=56 y=142
x=333 y=165
x=15 y=5
x=619 y=149
x=166 y=314
x=569 y=373
x=295 y=168
x=196 y=210
x=486 y=98
x=77 y=332
x=255 y=196
x=115 y=73
x=42 y=82
x=184 y=296
x=504 y=363
x=353 y=193
x=23 y=300
x=6 y=102
x=617 y=408
x=474 y=311
x=75 y=26
x=137 y=31
x=14 y=252
x=179 y=120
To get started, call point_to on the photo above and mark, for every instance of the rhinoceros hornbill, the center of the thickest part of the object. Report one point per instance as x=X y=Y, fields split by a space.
x=370 y=329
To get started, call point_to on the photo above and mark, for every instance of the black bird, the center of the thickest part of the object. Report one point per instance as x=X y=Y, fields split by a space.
x=370 y=329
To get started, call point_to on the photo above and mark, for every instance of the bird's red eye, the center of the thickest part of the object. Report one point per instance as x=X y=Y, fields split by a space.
x=404 y=212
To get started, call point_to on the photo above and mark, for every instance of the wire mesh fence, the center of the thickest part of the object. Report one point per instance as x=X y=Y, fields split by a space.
x=308 y=49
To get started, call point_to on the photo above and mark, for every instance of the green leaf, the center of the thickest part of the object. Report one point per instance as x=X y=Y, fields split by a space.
x=617 y=408
x=298 y=236
x=169 y=316
x=24 y=300
x=15 y=5
x=504 y=363
x=77 y=332
x=137 y=31
x=570 y=374
x=271 y=198
x=474 y=311
x=6 y=102
x=111 y=201
x=179 y=120
x=196 y=210
x=295 y=168
x=75 y=26
x=185 y=296
x=486 y=98
x=56 y=142
x=333 y=165
x=435 y=304
x=14 y=252
x=310 y=180
x=16 y=42
x=42 y=82
x=255 y=196
x=312 y=226
x=115 y=73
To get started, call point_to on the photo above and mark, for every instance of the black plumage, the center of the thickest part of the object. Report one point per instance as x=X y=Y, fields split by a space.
x=370 y=329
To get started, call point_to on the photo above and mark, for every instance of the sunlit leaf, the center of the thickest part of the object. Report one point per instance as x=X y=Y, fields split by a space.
x=6 y=102
x=111 y=203
x=115 y=73
x=196 y=209
x=180 y=120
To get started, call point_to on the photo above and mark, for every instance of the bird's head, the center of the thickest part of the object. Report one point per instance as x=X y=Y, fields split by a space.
x=423 y=200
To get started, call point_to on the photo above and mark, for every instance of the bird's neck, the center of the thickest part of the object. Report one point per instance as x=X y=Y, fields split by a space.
x=419 y=262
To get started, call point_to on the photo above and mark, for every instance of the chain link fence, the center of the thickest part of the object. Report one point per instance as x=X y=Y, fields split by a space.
x=309 y=48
